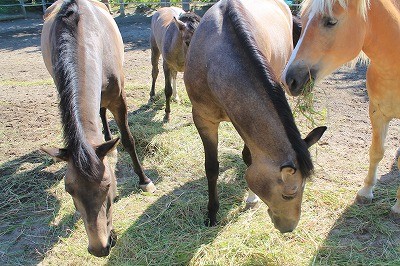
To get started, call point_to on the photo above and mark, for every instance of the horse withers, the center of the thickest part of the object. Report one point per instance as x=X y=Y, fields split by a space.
x=171 y=31
x=335 y=32
x=232 y=69
x=83 y=51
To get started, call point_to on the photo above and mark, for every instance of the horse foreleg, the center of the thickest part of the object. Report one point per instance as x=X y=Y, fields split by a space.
x=106 y=128
x=119 y=111
x=252 y=198
x=175 y=95
x=208 y=132
x=155 y=55
x=379 y=130
x=168 y=91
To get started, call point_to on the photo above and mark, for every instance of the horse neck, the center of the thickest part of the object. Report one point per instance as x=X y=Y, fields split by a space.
x=257 y=121
x=382 y=34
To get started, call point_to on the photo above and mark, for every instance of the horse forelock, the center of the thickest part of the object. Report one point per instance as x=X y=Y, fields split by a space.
x=65 y=68
x=326 y=6
x=242 y=28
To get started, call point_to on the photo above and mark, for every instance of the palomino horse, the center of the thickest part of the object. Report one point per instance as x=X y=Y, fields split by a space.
x=231 y=68
x=83 y=51
x=171 y=31
x=335 y=33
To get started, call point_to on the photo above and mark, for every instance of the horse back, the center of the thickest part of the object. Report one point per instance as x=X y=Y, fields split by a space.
x=217 y=56
x=96 y=29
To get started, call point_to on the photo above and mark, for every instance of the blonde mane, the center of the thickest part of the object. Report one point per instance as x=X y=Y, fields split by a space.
x=326 y=6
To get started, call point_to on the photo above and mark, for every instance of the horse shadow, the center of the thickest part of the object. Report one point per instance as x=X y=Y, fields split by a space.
x=365 y=234
x=27 y=209
x=172 y=229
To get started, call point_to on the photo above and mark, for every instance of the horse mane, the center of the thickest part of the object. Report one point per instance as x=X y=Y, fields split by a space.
x=326 y=6
x=65 y=69
x=272 y=86
x=191 y=19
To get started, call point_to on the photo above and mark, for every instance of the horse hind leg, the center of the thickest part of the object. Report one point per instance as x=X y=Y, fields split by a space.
x=119 y=109
x=208 y=132
x=376 y=151
x=155 y=55
x=252 y=199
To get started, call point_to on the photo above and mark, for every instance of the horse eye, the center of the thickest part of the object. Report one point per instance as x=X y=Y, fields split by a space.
x=330 y=22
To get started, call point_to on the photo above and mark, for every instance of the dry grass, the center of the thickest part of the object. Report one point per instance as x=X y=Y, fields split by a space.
x=38 y=225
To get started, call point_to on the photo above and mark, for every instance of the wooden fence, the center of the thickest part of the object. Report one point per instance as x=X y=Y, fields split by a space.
x=186 y=5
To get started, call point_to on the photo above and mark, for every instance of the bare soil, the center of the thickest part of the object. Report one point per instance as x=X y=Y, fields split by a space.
x=30 y=118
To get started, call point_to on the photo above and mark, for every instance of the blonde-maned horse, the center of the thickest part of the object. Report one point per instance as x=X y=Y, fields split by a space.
x=335 y=32
x=83 y=51
x=171 y=31
x=232 y=74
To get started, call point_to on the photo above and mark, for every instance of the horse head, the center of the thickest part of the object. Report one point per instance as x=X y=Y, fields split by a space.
x=93 y=198
x=281 y=186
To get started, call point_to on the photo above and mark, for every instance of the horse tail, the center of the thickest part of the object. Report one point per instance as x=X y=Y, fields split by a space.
x=66 y=73
x=236 y=14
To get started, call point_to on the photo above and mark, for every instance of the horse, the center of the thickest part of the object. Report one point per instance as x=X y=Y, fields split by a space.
x=337 y=32
x=171 y=31
x=83 y=51
x=232 y=74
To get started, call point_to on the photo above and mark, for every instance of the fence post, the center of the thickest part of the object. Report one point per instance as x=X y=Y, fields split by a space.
x=121 y=8
x=165 y=3
x=186 y=5
x=23 y=7
x=44 y=6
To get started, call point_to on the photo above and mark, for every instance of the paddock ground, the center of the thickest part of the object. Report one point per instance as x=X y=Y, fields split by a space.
x=37 y=222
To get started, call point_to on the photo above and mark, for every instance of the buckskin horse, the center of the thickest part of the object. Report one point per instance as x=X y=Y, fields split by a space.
x=83 y=51
x=171 y=31
x=232 y=74
x=336 y=32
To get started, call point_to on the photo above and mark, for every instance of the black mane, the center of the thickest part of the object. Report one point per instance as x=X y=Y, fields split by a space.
x=64 y=61
x=274 y=90
x=191 y=19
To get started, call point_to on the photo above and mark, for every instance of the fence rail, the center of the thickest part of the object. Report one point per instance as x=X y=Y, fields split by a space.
x=186 y=4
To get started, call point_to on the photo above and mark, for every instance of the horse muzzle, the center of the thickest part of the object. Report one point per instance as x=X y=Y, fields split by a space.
x=300 y=79
x=104 y=251
x=284 y=225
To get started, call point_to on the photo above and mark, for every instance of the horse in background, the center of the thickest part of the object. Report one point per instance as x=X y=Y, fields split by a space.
x=171 y=31
x=83 y=51
x=232 y=74
x=337 y=32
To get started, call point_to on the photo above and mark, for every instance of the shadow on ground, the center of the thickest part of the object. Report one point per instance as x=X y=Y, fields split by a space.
x=365 y=234
x=172 y=230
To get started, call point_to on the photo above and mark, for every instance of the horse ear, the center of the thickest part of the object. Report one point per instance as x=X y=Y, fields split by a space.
x=106 y=147
x=179 y=24
x=314 y=135
x=57 y=154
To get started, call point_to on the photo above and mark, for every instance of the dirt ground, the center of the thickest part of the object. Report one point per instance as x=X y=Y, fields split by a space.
x=30 y=119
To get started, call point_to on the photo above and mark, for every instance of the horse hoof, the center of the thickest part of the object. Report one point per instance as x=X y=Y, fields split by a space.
x=210 y=223
x=151 y=101
x=362 y=200
x=150 y=187
x=166 y=118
